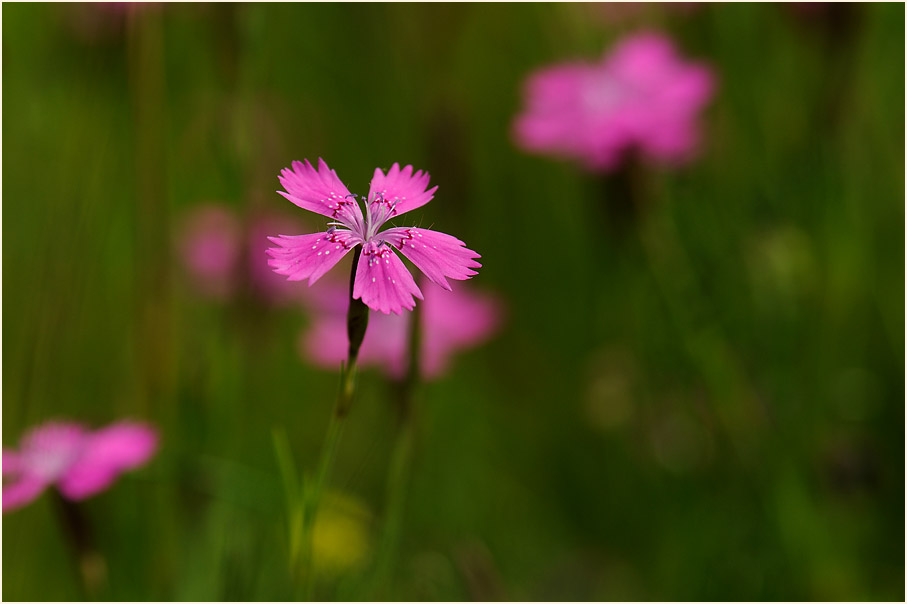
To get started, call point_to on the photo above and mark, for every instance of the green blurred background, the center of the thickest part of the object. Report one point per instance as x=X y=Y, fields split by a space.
x=700 y=400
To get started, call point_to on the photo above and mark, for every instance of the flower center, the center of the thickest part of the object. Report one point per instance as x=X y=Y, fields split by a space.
x=378 y=211
x=52 y=462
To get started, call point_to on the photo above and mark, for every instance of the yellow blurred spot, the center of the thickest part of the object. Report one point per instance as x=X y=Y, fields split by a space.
x=341 y=540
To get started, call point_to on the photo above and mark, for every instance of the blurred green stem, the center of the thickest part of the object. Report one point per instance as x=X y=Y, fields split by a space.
x=674 y=277
x=151 y=220
x=91 y=567
x=357 y=323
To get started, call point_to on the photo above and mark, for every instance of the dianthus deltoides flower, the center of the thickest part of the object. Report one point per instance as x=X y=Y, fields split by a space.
x=382 y=282
x=81 y=463
x=640 y=95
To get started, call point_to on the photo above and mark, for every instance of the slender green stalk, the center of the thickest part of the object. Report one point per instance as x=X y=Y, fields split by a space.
x=90 y=565
x=291 y=491
x=312 y=498
x=152 y=218
x=357 y=322
x=395 y=498
x=674 y=278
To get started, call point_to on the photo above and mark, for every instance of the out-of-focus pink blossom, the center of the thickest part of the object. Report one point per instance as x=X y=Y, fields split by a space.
x=81 y=463
x=210 y=245
x=223 y=253
x=451 y=321
x=641 y=95
x=264 y=282
x=382 y=281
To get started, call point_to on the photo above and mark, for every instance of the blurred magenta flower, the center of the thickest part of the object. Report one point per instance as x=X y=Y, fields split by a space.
x=264 y=283
x=222 y=253
x=210 y=245
x=452 y=321
x=79 y=462
x=382 y=282
x=641 y=95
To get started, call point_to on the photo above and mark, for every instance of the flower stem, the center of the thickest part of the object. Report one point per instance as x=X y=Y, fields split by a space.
x=673 y=276
x=153 y=295
x=90 y=564
x=357 y=322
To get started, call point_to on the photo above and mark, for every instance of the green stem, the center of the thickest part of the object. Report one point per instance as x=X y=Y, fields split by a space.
x=91 y=567
x=152 y=237
x=395 y=498
x=674 y=278
x=357 y=322
x=312 y=498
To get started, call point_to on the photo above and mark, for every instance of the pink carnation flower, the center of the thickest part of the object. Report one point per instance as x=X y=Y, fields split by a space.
x=451 y=321
x=79 y=462
x=640 y=95
x=382 y=282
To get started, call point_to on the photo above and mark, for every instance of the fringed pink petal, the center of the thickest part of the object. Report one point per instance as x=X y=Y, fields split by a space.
x=382 y=281
x=438 y=255
x=320 y=191
x=400 y=190
x=309 y=256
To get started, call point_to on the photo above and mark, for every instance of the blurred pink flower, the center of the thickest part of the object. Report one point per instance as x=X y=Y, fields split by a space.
x=210 y=246
x=79 y=462
x=382 y=282
x=222 y=253
x=640 y=95
x=451 y=321
x=264 y=282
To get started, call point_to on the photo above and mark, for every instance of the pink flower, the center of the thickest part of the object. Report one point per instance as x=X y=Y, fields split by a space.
x=641 y=95
x=79 y=462
x=451 y=321
x=210 y=247
x=382 y=282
